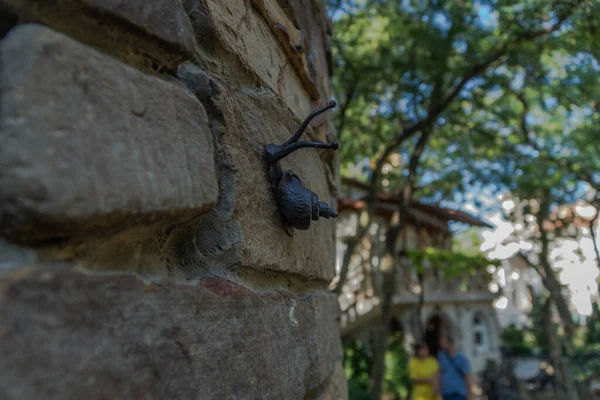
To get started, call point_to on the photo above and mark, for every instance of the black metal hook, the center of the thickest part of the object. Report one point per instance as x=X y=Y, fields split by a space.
x=297 y=204
x=276 y=152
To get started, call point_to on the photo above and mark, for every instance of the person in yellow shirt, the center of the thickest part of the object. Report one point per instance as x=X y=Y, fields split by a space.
x=423 y=371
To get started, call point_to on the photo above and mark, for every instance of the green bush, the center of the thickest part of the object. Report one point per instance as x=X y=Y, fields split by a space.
x=357 y=392
x=514 y=339
x=592 y=335
x=358 y=362
x=396 y=373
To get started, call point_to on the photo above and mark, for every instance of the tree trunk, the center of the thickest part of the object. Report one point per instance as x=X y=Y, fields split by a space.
x=363 y=228
x=556 y=296
x=553 y=342
x=350 y=248
x=555 y=289
x=563 y=369
x=550 y=281
x=389 y=283
x=389 y=260
x=420 y=333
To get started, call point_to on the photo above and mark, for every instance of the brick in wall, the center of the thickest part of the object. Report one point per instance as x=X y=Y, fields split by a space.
x=153 y=34
x=89 y=144
x=69 y=335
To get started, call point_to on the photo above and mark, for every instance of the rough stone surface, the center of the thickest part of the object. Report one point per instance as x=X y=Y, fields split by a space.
x=336 y=387
x=243 y=32
x=292 y=41
x=165 y=19
x=68 y=335
x=94 y=144
x=142 y=254
x=159 y=30
x=267 y=244
x=12 y=256
x=251 y=120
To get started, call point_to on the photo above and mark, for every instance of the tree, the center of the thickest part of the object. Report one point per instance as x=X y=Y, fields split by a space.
x=415 y=80
x=541 y=122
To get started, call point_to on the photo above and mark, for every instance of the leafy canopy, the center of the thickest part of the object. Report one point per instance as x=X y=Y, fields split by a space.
x=507 y=89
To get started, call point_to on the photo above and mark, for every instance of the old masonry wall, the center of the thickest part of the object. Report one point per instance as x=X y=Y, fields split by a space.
x=142 y=254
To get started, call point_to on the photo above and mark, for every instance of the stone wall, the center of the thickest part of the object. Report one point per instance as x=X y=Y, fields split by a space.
x=142 y=254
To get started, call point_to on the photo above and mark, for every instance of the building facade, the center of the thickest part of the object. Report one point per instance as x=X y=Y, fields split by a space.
x=423 y=307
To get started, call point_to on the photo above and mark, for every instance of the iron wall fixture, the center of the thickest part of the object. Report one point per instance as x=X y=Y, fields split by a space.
x=297 y=204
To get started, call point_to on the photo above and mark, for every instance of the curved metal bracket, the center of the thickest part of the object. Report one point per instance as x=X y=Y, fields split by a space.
x=297 y=204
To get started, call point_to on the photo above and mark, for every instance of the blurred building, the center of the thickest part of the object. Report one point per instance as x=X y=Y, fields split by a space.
x=424 y=305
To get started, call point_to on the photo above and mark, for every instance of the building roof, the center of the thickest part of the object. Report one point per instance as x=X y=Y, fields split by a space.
x=420 y=211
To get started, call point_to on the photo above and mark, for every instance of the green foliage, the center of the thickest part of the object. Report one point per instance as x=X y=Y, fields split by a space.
x=453 y=263
x=358 y=362
x=467 y=242
x=586 y=361
x=396 y=372
x=537 y=328
x=592 y=335
x=515 y=341
x=587 y=358
x=529 y=340
x=506 y=90
x=357 y=392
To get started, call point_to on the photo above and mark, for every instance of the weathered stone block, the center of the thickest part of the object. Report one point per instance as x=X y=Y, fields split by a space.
x=267 y=245
x=244 y=32
x=336 y=387
x=165 y=19
x=158 y=30
x=292 y=40
x=248 y=121
x=69 y=335
x=312 y=20
x=88 y=143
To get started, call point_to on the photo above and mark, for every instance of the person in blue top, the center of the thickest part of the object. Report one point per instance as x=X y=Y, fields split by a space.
x=455 y=371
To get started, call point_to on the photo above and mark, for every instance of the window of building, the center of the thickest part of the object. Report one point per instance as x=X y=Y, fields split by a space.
x=480 y=335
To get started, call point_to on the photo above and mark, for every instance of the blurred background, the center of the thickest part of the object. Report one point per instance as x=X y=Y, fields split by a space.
x=469 y=193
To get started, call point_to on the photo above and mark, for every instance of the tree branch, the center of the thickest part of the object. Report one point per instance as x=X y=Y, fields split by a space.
x=344 y=108
x=479 y=68
x=389 y=277
x=579 y=172
x=553 y=285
